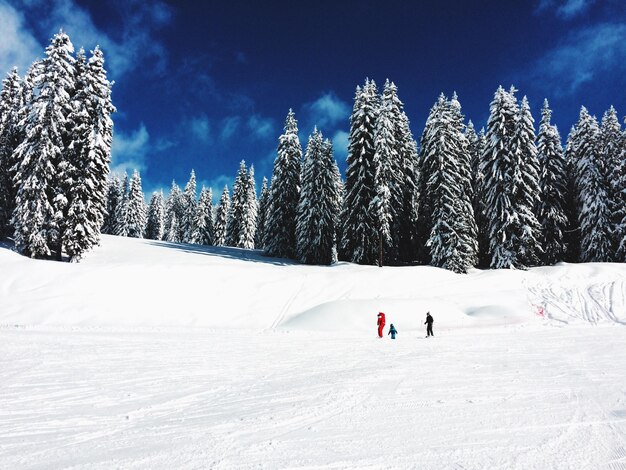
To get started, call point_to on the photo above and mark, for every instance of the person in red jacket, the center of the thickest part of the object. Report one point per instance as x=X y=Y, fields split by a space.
x=381 y=324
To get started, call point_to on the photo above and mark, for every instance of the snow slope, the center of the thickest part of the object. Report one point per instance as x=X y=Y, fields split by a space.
x=142 y=283
x=149 y=355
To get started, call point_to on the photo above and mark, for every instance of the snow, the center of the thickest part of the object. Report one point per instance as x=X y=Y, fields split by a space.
x=159 y=355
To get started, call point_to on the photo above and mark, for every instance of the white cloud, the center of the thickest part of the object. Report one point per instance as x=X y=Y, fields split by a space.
x=229 y=127
x=260 y=126
x=340 y=145
x=582 y=57
x=135 y=41
x=326 y=111
x=18 y=46
x=200 y=128
x=571 y=8
x=566 y=9
x=129 y=150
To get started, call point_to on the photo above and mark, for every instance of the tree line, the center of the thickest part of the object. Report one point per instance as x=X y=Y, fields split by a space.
x=502 y=197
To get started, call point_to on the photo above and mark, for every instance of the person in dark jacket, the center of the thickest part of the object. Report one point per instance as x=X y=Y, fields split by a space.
x=429 y=321
x=381 y=324
x=392 y=331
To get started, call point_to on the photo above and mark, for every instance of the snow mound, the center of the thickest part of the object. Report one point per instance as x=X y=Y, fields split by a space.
x=359 y=315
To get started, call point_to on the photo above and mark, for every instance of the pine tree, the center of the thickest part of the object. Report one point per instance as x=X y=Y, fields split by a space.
x=88 y=155
x=553 y=187
x=360 y=225
x=447 y=175
x=338 y=184
x=499 y=166
x=619 y=181
x=610 y=148
x=406 y=223
x=262 y=215
x=155 y=224
x=189 y=209
x=120 y=216
x=78 y=233
x=425 y=167
x=241 y=223
x=115 y=196
x=250 y=212
x=221 y=218
x=174 y=208
x=41 y=167
x=526 y=183
x=592 y=190
x=571 y=237
x=173 y=232
x=387 y=203
x=319 y=204
x=10 y=137
x=135 y=212
x=280 y=223
x=203 y=225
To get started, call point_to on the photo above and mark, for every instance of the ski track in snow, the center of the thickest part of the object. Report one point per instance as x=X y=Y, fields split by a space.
x=573 y=300
x=528 y=397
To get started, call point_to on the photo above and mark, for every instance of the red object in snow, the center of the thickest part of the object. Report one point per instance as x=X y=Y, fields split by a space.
x=381 y=324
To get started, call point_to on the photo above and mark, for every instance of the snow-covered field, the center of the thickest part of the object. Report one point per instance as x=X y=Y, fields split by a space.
x=154 y=355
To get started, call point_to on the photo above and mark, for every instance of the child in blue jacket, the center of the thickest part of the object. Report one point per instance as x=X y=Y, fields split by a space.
x=392 y=331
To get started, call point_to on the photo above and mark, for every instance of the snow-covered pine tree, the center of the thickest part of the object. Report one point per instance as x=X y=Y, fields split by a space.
x=235 y=210
x=203 y=225
x=135 y=212
x=610 y=145
x=338 y=184
x=387 y=203
x=250 y=212
x=319 y=203
x=241 y=222
x=553 y=187
x=526 y=184
x=406 y=222
x=190 y=205
x=88 y=155
x=79 y=233
x=476 y=143
x=280 y=223
x=447 y=174
x=468 y=230
x=571 y=236
x=619 y=178
x=120 y=215
x=155 y=225
x=10 y=136
x=40 y=159
x=115 y=194
x=96 y=151
x=592 y=190
x=360 y=224
x=173 y=232
x=499 y=165
x=221 y=218
x=426 y=199
x=174 y=206
x=262 y=215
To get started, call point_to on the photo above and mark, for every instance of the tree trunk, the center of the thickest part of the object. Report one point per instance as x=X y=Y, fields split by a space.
x=380 y=249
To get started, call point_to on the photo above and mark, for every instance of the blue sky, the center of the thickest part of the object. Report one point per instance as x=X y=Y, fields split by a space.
x=206 y=84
